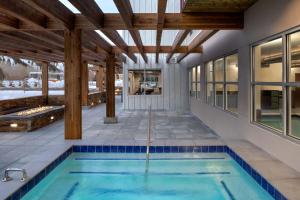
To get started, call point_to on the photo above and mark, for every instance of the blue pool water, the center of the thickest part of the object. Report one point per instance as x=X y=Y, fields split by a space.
x=176 y=176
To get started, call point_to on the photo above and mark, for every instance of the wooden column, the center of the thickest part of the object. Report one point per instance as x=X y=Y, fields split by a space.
x=110 y=91
x=100 y=78
x=73 y=118
x=45 y=86
x=84 y=83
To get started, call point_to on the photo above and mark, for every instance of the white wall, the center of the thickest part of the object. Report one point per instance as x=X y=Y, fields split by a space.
x=262 y=20
x=174 y=95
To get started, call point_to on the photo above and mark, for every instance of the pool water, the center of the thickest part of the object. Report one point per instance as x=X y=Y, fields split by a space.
x=176 y=176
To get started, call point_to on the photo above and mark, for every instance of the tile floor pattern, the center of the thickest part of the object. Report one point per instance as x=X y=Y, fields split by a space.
x=35 y=150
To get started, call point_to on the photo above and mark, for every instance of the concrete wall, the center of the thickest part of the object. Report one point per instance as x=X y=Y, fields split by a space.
x=262 y=20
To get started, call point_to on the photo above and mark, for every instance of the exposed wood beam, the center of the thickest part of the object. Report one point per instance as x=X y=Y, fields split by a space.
x=162 y=4
x=54 y=9
x=119 y=42
x=126 y=13
x=110 y=90
x=22 y=11
x=197 y=41
x=24 y=38
x=84 y=83
x=181 y=35
x=95 y=15
x=97 y=40
x=73 y=113
x=45 y=88
x=147 y=21
x=90 y=10
x=163 y=49
x=8 y=23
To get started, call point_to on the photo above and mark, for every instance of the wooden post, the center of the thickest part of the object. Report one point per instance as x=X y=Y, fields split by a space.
x=73 y=118
x=84 y=83
x=110 y=91
x=45 y=87
x=99 y=78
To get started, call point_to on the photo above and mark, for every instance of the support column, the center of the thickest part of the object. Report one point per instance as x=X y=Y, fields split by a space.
x=99 y=78
x=84 y=83
x=45 y=86
x=73 y=117
x=110 y=91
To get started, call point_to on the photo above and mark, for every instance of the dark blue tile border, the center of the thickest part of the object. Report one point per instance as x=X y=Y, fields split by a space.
x=153 y=149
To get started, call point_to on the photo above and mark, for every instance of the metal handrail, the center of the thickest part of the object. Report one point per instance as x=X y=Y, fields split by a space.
x=148 y=139
x=8 y=178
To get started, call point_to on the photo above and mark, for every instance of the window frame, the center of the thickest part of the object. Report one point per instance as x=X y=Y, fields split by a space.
x=285 y=83
x=144 y=71
x=224 y=82
x=196 y=82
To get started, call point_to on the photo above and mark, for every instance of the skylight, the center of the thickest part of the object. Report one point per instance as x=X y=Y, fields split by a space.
x=105 y=38
x=70 y=6
x=107 y=6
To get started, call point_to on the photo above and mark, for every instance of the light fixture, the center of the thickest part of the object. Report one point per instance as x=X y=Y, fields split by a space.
x=92 y=103
x=52 y=117
x=14 y=125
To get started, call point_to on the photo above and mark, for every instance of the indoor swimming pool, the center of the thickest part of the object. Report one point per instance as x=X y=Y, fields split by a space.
x=176 y=176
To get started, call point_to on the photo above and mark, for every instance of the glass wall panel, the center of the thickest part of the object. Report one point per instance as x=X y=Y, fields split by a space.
x=294 y=57
x=144 y=82
x=294 y=112
x=198 y=73
x=209 y=71
x=210 y=94
x=232 y=97
x=232 y=69
x=219 y=88
x=268 y=107
x=198 y=90
x=268 y=59
x=194 y=89
x=219 y=70
x=194 y=74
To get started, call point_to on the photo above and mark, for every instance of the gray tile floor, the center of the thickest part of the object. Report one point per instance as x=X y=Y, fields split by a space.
x=35 y=150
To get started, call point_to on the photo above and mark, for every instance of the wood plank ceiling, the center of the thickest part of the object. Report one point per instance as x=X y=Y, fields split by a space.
x=34 y=29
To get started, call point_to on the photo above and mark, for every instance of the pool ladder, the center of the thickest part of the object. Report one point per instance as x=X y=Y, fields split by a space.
x=148 y=139
x=8 y=178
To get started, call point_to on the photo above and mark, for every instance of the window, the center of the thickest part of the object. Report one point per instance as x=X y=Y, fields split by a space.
x=144 y=82
x=209 y=83
x=276 y=84
x=195 y=82
x=222 y=83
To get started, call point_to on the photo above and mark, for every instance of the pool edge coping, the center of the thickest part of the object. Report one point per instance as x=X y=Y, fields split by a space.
x=34 y=180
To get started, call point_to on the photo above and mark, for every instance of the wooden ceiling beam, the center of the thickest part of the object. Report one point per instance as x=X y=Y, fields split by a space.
x=95 y=15
x=197 y=41
x=19 y=36
x=22 y=11
x=8 y=23
x=54 y=9
x=97 y=40
x=90 y=10
x=163 y=49
x=148 y=21
x=126 y=13
x=161 y=10
x=180 y=37
x=120 y=43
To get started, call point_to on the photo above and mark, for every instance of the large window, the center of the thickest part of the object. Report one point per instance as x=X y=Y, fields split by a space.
x=144 y=82
x=222 y=83
x=195 y=86
x=276 y=84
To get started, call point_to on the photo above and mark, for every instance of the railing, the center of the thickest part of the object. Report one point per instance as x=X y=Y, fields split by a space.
x=8 y=178
x=148 y=139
